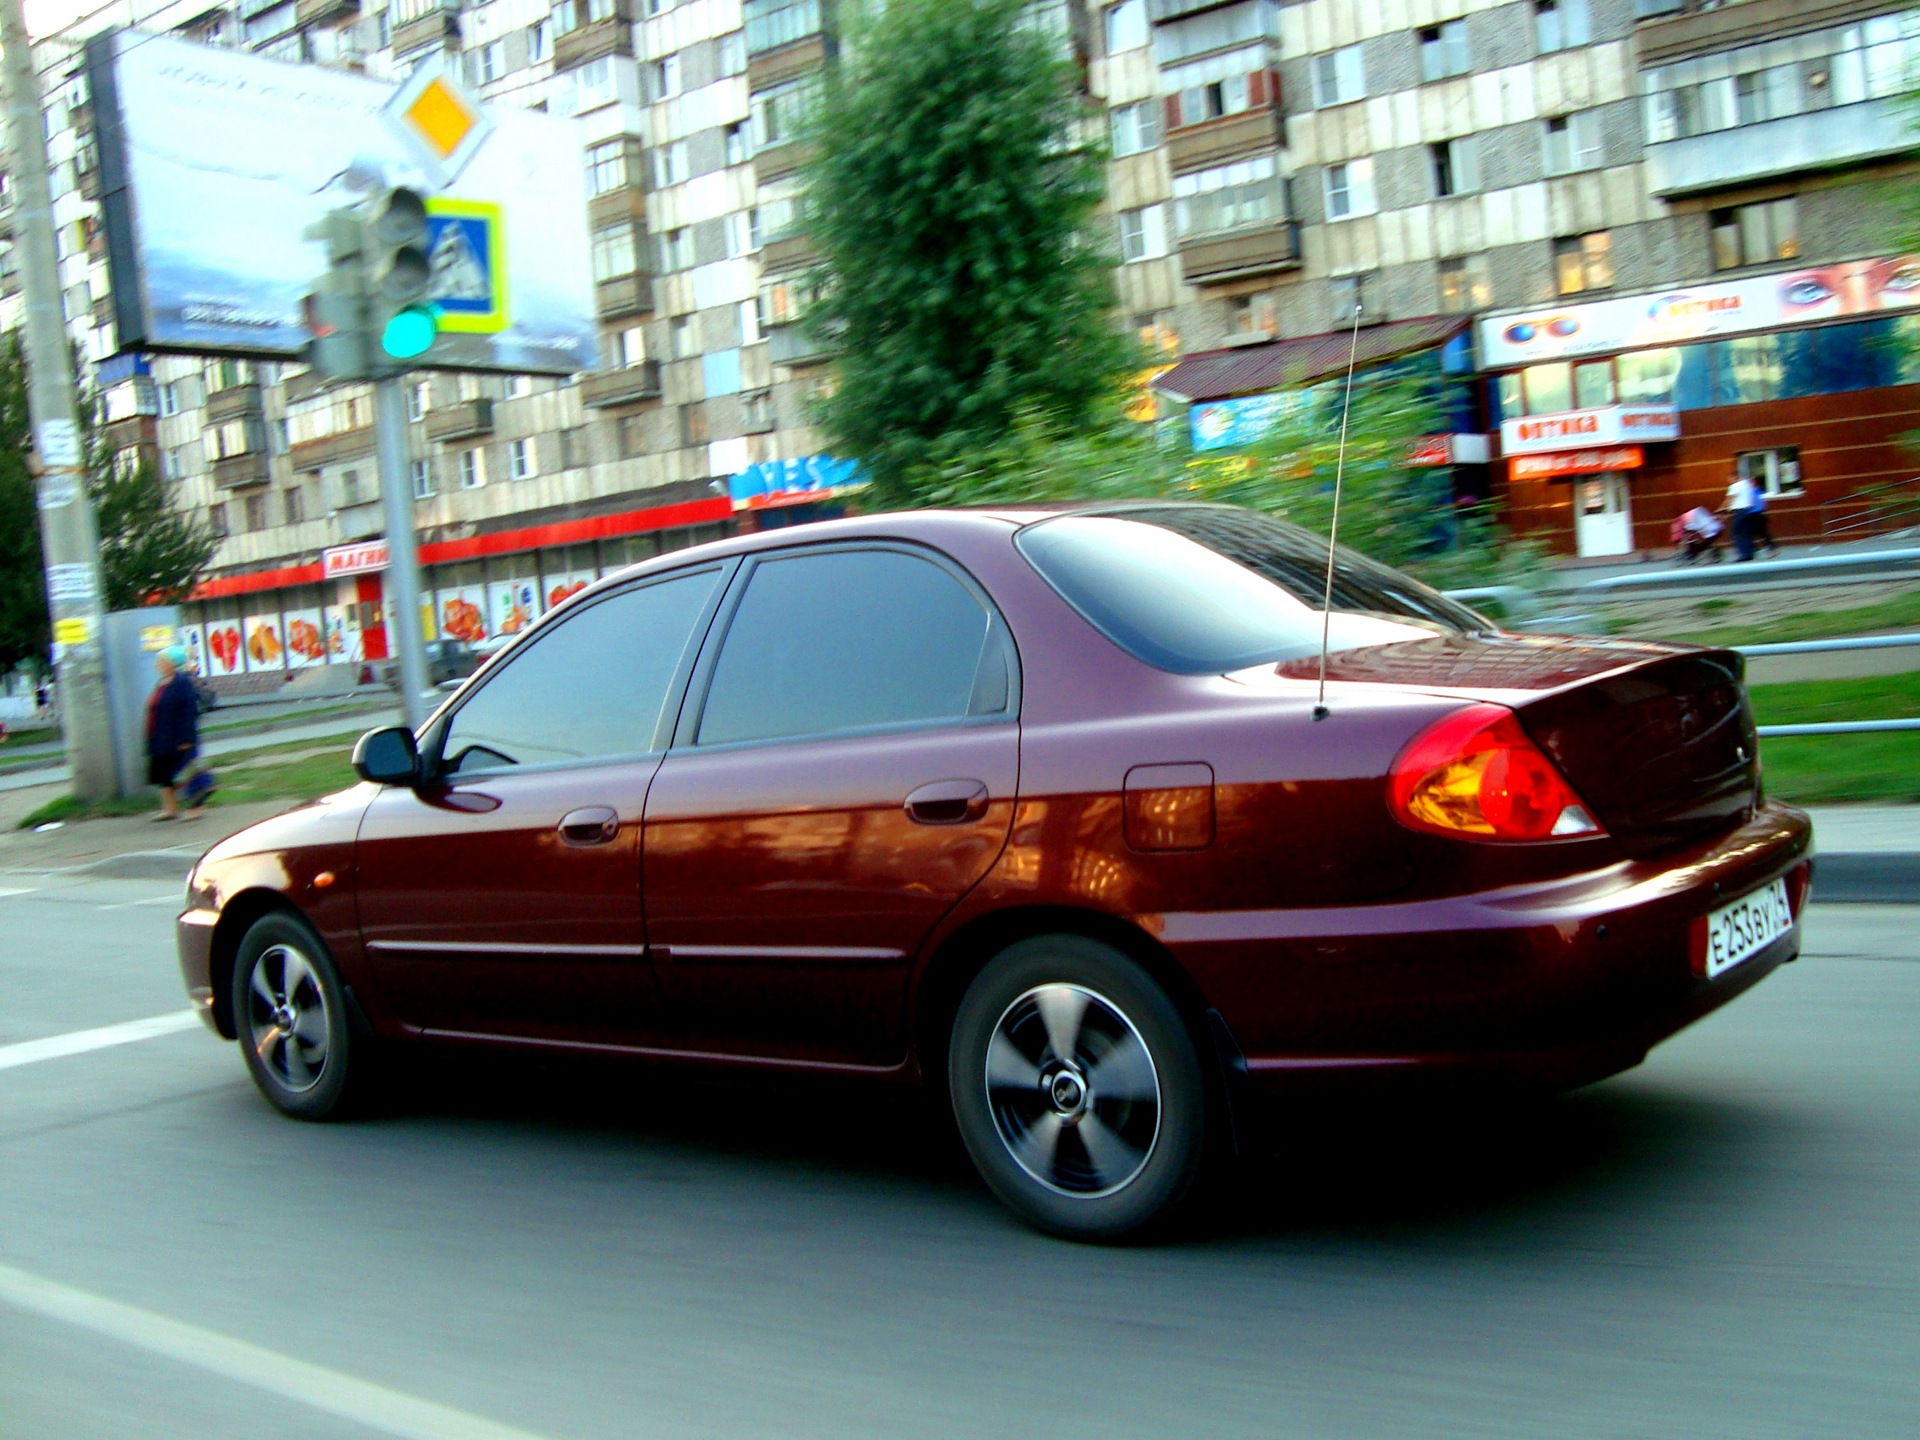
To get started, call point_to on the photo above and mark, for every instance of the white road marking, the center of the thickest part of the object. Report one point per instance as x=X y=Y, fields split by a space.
x=78 y=1042
x=391 y=1412
x=6 y=890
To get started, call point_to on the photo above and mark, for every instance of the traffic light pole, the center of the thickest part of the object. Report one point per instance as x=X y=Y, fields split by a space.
x=403 y=566
x=69 y=539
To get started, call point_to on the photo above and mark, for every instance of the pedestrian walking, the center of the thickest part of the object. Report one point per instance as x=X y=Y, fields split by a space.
x=1739 y=509
x=1759 y=529
x=173 y=727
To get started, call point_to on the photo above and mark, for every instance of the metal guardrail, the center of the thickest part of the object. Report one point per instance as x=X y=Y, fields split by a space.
x=1850 y=568
x=1826 y=647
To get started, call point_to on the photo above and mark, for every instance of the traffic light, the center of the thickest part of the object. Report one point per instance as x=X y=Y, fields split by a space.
x=400 y=318
x=336 y=307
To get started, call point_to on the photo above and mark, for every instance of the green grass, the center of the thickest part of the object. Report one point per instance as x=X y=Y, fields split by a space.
x=1902 y=612
x=1818 y=768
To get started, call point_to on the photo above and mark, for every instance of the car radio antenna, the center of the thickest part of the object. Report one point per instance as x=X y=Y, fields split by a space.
x=1320 y=711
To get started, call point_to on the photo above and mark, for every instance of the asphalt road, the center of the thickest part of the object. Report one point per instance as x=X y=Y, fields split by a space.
x=1722 y=1243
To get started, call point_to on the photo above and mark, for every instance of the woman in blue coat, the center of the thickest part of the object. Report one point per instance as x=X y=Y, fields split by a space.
x=173 y=728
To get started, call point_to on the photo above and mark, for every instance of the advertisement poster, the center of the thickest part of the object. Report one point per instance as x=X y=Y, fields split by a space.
x=429 y=627
x=225 y=647
x=306 y=642
x=215 y=162
x=463 y=614
x=565 y=587
x=193 y=640
x=514 y=605
x=265 y=647
x=1225 y=424
x=340 y=639
x=1700 y=312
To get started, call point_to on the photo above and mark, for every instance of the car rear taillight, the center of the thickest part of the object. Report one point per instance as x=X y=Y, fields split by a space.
x=1475 y=774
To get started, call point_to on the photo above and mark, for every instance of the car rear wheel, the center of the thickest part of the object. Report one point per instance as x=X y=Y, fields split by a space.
x=290 y=1012
x=1078 y=1089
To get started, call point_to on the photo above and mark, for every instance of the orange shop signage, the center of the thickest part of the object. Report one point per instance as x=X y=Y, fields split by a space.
x=1576 y=462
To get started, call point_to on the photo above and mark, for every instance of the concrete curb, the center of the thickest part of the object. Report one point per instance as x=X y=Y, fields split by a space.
x=1866 y=878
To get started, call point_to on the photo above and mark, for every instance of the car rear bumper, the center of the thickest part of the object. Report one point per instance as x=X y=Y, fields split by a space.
x=1560 y=982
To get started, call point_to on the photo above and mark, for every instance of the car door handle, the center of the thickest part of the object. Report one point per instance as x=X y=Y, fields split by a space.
x=948 y=802
x=592 y=825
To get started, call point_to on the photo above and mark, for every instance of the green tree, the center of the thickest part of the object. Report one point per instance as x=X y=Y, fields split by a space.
x=23 y=597
x=150 y=553
x=951 y=200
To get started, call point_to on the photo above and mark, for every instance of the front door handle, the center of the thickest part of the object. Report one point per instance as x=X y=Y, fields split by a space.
x=948 y=802
x=593 y=825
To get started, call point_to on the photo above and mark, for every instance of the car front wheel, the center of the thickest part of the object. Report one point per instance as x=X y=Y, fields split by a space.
x=1078 y=1089
x=290 y=1012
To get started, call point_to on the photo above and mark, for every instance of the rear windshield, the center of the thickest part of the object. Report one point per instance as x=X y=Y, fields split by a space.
x=1202 y=590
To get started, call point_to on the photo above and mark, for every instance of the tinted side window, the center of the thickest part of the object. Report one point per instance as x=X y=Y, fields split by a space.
x=843 y=639
x=591 y=686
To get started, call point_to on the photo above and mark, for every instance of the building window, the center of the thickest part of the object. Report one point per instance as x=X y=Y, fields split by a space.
x=1209 y=89
x=737 y=152
x=1142 y=233
x=1583 y=262
x=779 y=114
x=473 y=469
x=417 y=401
x=1755 y=234
x=750 y=322
x=610 y=166
x=1136 y=127
x=676 y=249
x=573 y=448
x=756 y=411
x=1561 y=24
x=671 y=164
x=693 y=426
x=1253 y=314
x=1126 y=26
x=1775 y=472
x=1573 y=142
x=1338 y=77
x=422 y=475
x=170 y=398
x=539 y=41
x=295 y=507
x=520 y=459
x=771 y=24
x=1349 y=189
x=733 y=54
x=217 y=520
x=663 y=78
x=625 y=348
x=680 y=330
x=1245 y=195
x=1464 y=286
x=632 y=435
x=1443 y=50
x=1456 y=167
x=616 y=251
x=257 y=510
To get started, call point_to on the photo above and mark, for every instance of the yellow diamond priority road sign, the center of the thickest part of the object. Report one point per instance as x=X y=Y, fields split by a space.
x=442 y=124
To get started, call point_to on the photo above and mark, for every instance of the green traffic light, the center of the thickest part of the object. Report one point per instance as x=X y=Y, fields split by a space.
x=410 y=332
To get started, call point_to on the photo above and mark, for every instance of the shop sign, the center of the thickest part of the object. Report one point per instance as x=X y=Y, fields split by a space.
x=1698 y=312
x=1577 y=429
x=1449 y=450
x=790 y=482
x=1576 y=462
x=361 y=559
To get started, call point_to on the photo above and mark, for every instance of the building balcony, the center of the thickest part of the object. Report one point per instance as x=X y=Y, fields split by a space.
x=238 y=472
x=778 y=160
x=138 y=433
x=598 y=38
x=1161 y=11
x=236 y=402
x=435 y=27
x=325 y=12
x=1792 y=145
x=789 y=252
x=329 y=449
x=465 y=421
x=798 y=345
x=627 y=203
x=90 y=184
x=1239 y=254
x=1195 y=147
x=789 y=62
x=602 y=389
x=1677 y=29
x=624 y=295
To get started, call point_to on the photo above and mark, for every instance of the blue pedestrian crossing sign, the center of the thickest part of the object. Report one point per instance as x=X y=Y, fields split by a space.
x=467 y=265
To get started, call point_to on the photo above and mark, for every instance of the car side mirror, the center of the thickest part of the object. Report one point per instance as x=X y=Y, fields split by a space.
x=387 y=756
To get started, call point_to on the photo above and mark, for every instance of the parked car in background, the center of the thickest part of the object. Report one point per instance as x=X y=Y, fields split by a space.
x=204 y=695
x=449 y=662
x=1036 y=808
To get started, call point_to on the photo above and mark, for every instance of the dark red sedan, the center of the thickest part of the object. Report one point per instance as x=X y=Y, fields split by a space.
x=1038 y=806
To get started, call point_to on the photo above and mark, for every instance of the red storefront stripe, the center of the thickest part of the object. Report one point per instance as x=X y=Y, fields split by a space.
x=507 y=542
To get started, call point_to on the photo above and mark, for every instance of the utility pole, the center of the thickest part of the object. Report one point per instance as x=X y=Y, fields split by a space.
x=69 y=540
x=403 y=569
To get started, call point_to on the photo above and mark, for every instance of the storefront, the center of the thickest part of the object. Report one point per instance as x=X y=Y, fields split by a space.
x=335 y=611
x=1617 y=416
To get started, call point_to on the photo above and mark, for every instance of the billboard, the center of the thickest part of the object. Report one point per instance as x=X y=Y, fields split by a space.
x=214 y=163
x=1700 y=312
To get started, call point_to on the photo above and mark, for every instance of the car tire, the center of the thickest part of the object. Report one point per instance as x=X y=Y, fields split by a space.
x=290 y=1014
x=1078 y=1089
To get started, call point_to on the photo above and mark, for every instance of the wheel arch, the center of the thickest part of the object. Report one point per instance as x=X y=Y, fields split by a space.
x=237 y=917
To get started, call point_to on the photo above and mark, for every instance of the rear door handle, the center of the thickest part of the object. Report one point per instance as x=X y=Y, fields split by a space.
x=948 y=802
x=592 y=825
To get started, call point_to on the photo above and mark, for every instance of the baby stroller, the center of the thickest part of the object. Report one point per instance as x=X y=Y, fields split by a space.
x=1696 y=533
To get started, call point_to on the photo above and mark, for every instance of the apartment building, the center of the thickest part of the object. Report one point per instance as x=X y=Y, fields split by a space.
x=1596 y=218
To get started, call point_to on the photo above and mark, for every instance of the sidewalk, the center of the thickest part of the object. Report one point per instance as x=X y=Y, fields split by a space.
x=1867 y=854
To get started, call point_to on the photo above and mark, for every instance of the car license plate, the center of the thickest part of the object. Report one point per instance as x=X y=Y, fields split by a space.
x=1743 y=929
